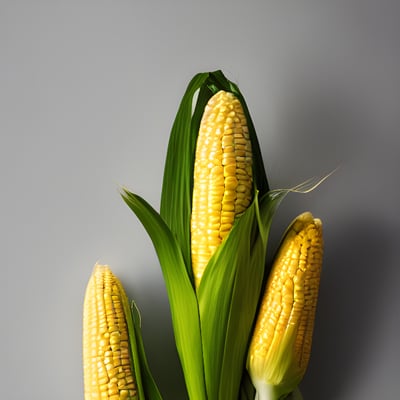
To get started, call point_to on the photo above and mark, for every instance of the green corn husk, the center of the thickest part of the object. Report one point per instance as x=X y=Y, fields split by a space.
x=211 y=327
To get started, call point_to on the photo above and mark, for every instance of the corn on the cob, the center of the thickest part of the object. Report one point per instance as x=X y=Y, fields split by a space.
x=223 y=185
x=107 y=366
x=281 y=344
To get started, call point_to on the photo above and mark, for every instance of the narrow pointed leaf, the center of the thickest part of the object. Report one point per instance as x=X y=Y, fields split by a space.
x=181 y=295
x=219 y=312
x=150 y=388
x=178 y=171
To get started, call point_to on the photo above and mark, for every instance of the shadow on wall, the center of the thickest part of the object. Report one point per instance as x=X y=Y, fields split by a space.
x=319 y=128
x=356 y=264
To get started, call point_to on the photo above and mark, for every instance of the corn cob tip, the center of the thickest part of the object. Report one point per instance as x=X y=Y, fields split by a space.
x=98 y=268
x=304 y=219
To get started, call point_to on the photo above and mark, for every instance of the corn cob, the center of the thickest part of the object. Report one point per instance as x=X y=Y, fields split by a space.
x=223 y=184
x=281 y=344
x=107 y=366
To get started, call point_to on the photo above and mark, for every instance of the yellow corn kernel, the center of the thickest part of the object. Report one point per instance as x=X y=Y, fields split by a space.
x=223 y=182
x=105 y=333
x=281 y=343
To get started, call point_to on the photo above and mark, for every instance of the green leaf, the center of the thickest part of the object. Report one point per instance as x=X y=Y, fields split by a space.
x=216 y=297
x=182 y=298
x=149 y=386
x=146 y=386
x=178 y=171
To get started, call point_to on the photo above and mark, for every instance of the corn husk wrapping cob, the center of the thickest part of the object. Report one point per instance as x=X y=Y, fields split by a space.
x=213 y=297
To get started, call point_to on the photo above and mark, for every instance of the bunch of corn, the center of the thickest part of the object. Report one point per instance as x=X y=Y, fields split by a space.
x=211 y=238
x=211 y=232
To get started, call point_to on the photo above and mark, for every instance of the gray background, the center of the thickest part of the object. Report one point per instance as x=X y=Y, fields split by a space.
x=88 y=93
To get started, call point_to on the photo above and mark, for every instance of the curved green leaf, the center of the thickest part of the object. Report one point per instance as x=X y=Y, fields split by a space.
x=221 y=311
x=146 y=386
x=149 y=386
x=178 y=171
x=182 y=298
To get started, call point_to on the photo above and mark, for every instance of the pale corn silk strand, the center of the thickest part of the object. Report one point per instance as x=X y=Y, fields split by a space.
x=107 y=367
x=223 y=182
x=287 y=311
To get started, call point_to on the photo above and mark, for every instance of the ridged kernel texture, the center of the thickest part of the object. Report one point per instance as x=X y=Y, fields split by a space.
x=289 y=303
x=107 y=365
x=223 y=184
